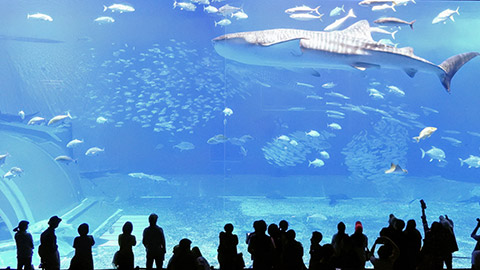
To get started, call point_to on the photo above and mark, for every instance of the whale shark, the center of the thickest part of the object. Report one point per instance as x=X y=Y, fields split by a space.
x=353 y=47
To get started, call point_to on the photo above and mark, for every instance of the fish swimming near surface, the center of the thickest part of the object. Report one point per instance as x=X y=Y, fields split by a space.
x=396 y=169
x=298 y=50
x=434 y=154
x=392 y=21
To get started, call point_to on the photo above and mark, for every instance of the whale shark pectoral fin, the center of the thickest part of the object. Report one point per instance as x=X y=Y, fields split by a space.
x=293 y=45
x=363 y=66
x=411 y=72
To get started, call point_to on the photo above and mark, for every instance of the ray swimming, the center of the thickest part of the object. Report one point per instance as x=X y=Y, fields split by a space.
x=350 y=48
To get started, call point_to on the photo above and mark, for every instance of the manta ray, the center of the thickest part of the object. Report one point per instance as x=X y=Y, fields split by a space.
x=353 y=47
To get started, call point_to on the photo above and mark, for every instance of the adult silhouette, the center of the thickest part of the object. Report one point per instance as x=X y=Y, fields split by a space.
x=154 y=242
x=124 y=257
x=227 y=249
x=48 y=249
x=24 y=242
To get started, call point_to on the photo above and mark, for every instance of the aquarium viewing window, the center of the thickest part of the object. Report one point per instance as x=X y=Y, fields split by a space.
x=208 y=112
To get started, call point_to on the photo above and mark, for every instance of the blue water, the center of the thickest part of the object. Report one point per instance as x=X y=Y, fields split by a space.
x=155 y=77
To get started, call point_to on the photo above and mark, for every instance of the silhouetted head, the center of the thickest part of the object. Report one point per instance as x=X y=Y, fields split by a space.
x=196 y=252
x=316 y=237
x=358 y=227
x=411 y=224
x=273 y=230
x=152 y=219
x=22 y=226
x=399 y=224
x=436 y=227
x=341 y=227
x=283 y=225
x=127 y=228
x=184 y=244
x=441 y=218
x=260 y=226
x=384 y=252
x=228 y=228
x=291 y=235
x=54 y=221
x=83 y=229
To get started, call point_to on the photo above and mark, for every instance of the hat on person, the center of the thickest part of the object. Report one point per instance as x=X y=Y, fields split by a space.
x=55 y=220
x=358 y=226
x=22 y=225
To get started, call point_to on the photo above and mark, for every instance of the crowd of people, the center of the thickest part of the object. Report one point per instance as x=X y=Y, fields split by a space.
x=271 y=247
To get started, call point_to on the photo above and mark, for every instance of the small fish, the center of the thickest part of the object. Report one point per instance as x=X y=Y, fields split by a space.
x=334 y=126
x=119 y=8
x=444 y=15
x=312 y=133
x=101 y=120
x=384 y=7
x=65 y=159
x=141 y=175
x=427 y=111
x=94 y=151
x=40 y=16
x=223 y=22
x=227 y=9
x=403 y=2
x=104 y=20
x=305 y=17
x=338 y=23
x=329 y=85
x=314 y=97
x=16 y=171
x=367 y=3
x=425 y=133
x=305 y=84
x=59 y=118
x=8 y=175
x=392 y=21
x=184 y=146
x=239 y=15
x=293 y=142
x=335 y=116
x=324 y=155
x=316 y=163
x=434 y=153
x=185 y=6
x=302 y=9
x=396 y=169
x=210 y=9
x=471 y=161
x=453 y=141
x=220 y=138
x=336 y=11
x=74 y=143
x=283 y=138
x=35 y=120
x=227 y=111
x=21 y=114
x=338 y=95
x=395 y=90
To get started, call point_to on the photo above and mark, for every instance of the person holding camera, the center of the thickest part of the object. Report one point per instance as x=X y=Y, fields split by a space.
x=388 y=253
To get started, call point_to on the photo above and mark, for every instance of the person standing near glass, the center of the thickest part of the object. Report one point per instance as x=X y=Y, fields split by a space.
x=24 y=242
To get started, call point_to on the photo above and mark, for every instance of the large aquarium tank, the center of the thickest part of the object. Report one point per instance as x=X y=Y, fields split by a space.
x=229 y=111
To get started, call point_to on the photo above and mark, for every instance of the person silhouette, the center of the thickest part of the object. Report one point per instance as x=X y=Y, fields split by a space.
x=125 y=258
x=476 y=250
x=182 y=258
x=48 y=249
x=82 y=260
x=24 y=242
x=154 y=242
x=201 y=262
x=261 y=247
x=227 y=249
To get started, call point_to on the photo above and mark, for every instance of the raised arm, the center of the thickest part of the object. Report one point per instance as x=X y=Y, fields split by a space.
x=424 y=217
x=474 y=233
